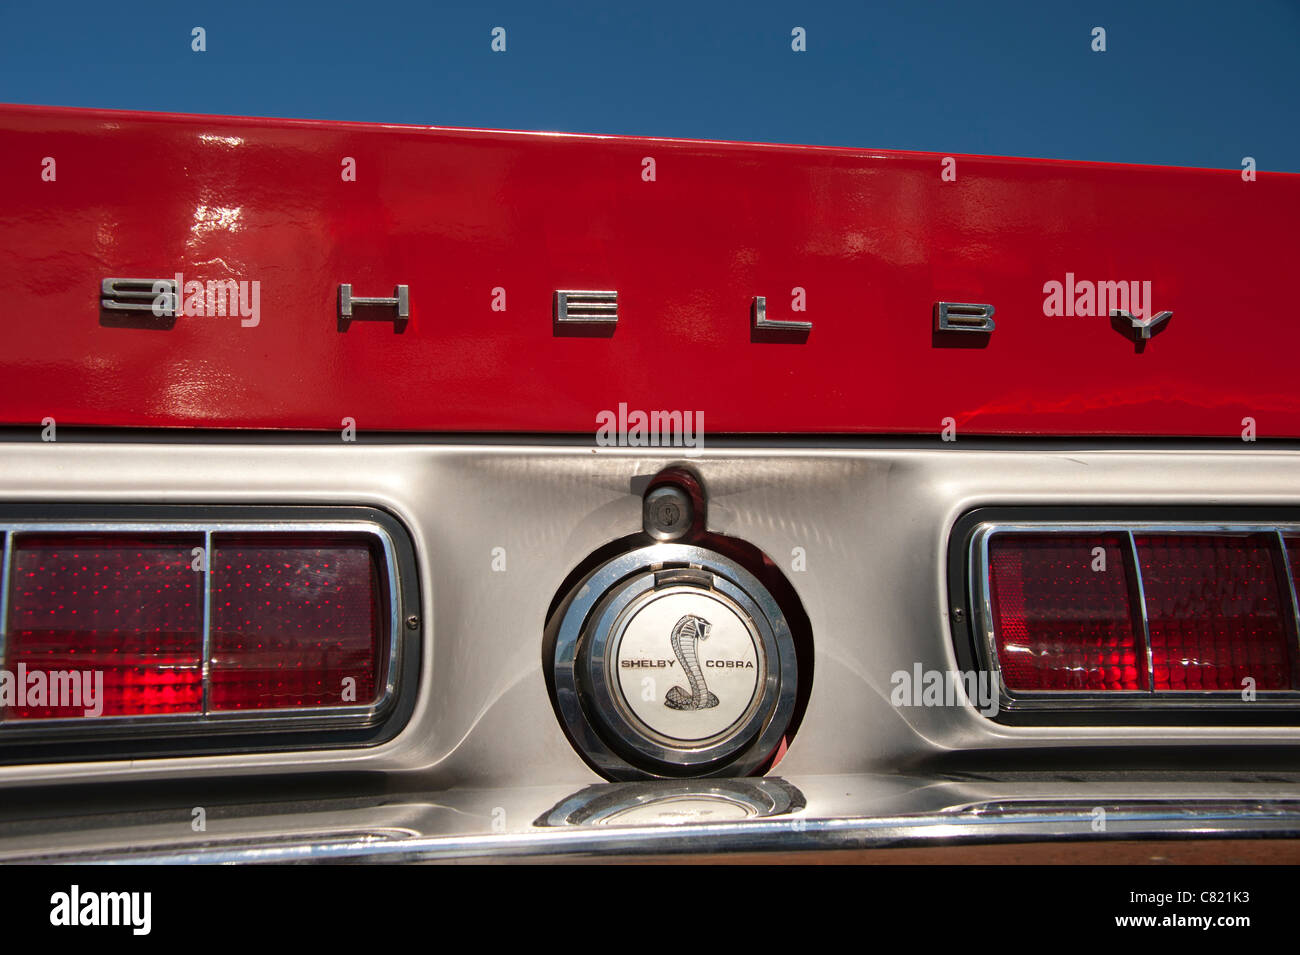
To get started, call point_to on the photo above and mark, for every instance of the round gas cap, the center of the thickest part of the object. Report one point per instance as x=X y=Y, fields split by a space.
x=688 y=664
x=673 y=660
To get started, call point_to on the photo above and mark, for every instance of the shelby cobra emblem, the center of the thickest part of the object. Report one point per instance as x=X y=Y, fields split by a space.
x=690 y=630
x=672 y=660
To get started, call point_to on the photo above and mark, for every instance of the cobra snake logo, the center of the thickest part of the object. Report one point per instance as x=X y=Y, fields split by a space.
x=687 y=634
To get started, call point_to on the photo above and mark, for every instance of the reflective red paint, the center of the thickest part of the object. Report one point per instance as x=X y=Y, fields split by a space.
x=875 y=238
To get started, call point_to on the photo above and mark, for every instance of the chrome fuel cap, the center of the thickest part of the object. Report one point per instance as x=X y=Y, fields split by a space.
x=673 y=660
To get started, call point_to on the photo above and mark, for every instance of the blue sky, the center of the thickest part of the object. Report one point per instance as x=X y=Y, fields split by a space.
x=1191 y=83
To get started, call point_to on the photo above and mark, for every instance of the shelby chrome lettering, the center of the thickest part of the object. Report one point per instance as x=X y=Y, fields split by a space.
x=963 y=317
x=401 y=301
x=573 y=307
x=138 y=295
x=169 y=298
x=1141 y=328
x=1127 y=303
x=758 y=314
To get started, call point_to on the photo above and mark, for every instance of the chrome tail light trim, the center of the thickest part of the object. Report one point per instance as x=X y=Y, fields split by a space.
x=4 y=591
x=261 y=720
x=1118 y=700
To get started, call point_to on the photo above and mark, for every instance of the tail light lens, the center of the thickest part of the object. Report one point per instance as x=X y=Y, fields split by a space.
x=126 y=606
x=194 y=623
x=1215 y=612
x=296 y=622
x=1065 y=614
x=1165 y=612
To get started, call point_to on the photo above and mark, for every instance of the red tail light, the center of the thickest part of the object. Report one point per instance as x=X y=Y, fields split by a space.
x=295 y=622
x=1161 y=611
x=1215 y=612
x=194 y=624
x=1065 y=619
x=126 y=606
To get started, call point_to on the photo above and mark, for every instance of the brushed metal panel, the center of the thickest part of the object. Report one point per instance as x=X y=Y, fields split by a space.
x=873 y=522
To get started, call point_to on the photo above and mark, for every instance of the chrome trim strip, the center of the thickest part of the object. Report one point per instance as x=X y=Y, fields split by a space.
x=1290 y=580
x=4 y=593
x=1142 y=605
x=1130 y=700
x=982 y=612
x=265 y=719
x=207 y=620
x=979 y=824
x=604 y=804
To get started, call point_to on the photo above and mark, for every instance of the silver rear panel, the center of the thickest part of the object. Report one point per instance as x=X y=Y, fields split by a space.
x=873 y=524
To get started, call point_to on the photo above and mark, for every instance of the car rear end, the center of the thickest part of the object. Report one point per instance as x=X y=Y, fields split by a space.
x=412 y=494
